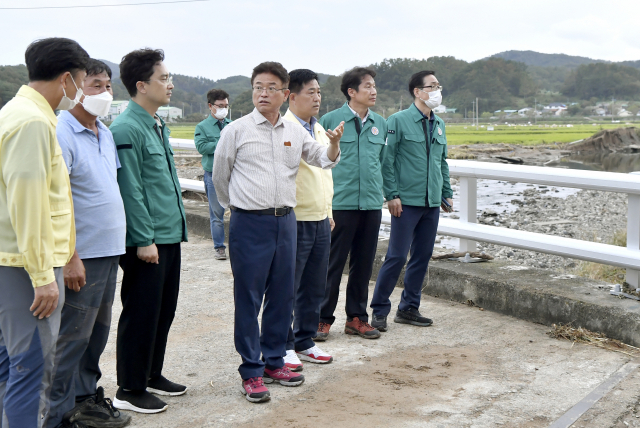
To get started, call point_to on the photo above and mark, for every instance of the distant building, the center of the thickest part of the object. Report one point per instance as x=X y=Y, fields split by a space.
x=440 y=109
x=555 y=108
x=169 y=114
x=117 y=107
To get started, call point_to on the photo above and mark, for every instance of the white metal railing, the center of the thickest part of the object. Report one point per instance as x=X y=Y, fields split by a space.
x=469 y=232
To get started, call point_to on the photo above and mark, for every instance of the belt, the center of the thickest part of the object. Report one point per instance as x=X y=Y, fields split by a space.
x=278 y=212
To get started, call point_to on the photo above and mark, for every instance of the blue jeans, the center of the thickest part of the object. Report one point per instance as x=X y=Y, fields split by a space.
x=84 y=331
x=262 y=250
x=216 y=212
x=414 y=230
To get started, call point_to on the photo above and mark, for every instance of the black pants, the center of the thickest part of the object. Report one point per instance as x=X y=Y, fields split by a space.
x=355 y=236
x=149 y=299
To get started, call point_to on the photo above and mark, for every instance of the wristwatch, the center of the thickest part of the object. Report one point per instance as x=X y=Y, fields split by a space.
x=396 y=197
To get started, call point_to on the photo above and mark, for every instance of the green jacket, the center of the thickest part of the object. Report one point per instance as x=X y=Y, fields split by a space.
x=357 y=178
x=406 y=170
x=206 y=138
x=148 y=180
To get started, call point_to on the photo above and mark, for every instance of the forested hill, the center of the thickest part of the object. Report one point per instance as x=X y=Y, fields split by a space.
x=508 y=80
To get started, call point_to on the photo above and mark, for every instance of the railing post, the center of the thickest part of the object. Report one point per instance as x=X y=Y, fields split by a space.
x=468 y=208
x=633 y=235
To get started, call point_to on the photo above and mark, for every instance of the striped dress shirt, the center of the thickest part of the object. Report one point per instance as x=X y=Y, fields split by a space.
x=256 y=163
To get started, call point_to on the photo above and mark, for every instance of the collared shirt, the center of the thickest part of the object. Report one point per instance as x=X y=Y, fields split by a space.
x=364 y=119
x=314 y=186
x=148 y=180
x=37 y=229
x=432 y=118
x=419 y=176
x=306 y=125
x=93 y=165
x=256 y=163
x=206 y=137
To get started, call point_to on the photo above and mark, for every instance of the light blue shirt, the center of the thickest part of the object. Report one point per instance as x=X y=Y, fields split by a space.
x=93 y=164
x=307 y=126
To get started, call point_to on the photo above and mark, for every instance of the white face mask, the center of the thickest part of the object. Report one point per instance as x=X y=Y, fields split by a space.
x=435 y=99
x=98 y=105
x=221 y=113
x=67 y=103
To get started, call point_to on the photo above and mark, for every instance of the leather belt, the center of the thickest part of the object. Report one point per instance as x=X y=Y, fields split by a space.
x=278 y=212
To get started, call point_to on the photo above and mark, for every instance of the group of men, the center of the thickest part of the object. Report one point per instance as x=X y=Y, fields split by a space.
x=304 y=196
x=78 y=199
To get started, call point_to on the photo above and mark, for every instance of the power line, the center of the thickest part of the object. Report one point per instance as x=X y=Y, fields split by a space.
x=101 y=5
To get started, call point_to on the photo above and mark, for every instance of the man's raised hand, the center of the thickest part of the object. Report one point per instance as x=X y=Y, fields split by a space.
x=336 y=134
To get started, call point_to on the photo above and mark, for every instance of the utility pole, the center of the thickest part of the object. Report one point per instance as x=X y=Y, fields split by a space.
x=612 y=109
x=535 y=111
x=477 y=114
x=400 y=102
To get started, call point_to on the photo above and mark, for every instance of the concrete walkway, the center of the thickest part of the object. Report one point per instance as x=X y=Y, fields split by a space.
x=472 y=368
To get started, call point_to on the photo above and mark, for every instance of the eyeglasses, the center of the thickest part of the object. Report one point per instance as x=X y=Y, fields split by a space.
x=431 y=88
x=271 y=90
x=165 y=81
x=217 y=106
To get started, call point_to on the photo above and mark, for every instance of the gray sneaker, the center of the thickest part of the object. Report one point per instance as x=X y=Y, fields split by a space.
x=379 y=322
x=220 y=254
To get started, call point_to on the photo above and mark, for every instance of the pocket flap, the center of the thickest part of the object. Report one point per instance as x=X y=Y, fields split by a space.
x=377 y=140
x=416 y=138
x=155 y=149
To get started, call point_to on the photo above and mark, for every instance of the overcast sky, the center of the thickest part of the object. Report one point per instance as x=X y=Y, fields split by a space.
x=217 y=39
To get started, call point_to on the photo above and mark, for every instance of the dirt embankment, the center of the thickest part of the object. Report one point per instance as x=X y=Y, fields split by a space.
x=612 y=140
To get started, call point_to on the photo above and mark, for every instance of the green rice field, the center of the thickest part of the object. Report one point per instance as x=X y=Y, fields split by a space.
x=458 y=134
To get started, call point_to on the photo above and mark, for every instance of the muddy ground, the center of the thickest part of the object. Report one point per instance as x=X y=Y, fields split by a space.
x=472 y=368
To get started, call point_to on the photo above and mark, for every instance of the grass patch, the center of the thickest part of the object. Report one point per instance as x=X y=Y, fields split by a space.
x=607 y=273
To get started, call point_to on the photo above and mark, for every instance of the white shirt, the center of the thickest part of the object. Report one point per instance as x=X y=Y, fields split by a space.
x=364 y=119
x=256 y=163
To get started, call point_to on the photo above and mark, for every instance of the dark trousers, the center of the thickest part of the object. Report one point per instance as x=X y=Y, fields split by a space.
x=355 y=236
x=149 y=299
x=414 y=230
x=262 y=250
x=84 y=331
x=312 y=261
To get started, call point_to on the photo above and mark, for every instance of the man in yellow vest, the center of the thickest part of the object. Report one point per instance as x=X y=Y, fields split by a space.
x=37 y=231
x=314 y=195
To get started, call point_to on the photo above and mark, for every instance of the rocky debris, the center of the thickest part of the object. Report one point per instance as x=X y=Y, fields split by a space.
x=588 y=215
x=505 y=159
x=611 y=140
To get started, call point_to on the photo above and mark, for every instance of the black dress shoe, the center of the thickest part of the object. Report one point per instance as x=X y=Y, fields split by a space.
x=412 y=316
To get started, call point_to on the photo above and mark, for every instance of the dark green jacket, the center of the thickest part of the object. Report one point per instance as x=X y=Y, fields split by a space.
x=206 y=138
x=148 y=181
x=357 y=178
x=406 y=170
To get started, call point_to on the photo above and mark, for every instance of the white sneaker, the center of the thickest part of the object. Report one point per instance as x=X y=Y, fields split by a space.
x=315 y=355
x=292 y=361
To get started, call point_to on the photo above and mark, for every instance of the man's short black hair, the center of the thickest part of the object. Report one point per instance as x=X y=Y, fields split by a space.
x=95 y=67
x=417 y=80
x=137 y=66
x=299 y=78
x=274 y=68
x=353 y=78
x=47 y=59
x=216 y=94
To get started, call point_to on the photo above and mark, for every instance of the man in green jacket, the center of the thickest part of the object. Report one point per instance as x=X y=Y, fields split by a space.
x=357 y=202
x=206 y=138
x=416 y=178
x=156 y=226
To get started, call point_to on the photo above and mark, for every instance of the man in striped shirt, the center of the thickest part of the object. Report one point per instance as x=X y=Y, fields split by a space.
x=254 y=174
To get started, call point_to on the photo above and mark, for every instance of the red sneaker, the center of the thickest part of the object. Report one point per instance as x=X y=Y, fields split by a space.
x=283 y=375
x=323 y=332
x=361 y=328
x=254 y=390
x=292 y=361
